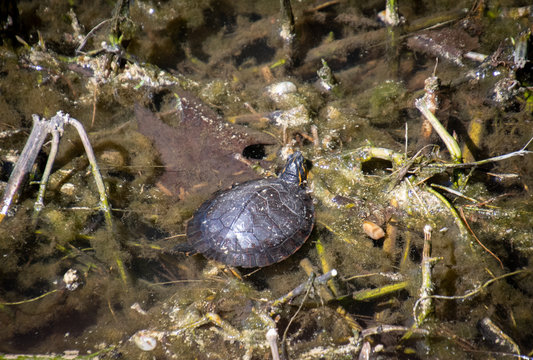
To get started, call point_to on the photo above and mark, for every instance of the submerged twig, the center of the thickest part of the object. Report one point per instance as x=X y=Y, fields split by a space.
x=322 y=279
x=41 y=128
x=368 y=152
x=104 y=204
x=90 y=33
x=326 y=268
x=521 y=152
x=287 y=31
x=455 y=192
x=425 y=302
x=39 y=203
x=38 y=134
x=371 y=294
x=383 y=329
x=449 y=141
x=338 y=49
x=479 y=288
x=458 y=221
x=323 y=292
x=491 y=331
x=284 y=338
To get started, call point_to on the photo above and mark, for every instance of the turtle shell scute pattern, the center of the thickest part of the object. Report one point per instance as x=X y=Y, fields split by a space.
x=253 y=224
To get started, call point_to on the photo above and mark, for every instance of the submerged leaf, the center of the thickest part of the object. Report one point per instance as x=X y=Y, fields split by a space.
x=199 y=153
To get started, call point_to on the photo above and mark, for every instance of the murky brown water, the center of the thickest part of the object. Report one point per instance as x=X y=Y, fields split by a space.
x=194 y=83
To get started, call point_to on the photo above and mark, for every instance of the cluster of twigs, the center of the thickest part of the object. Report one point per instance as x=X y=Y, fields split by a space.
x=41 y=129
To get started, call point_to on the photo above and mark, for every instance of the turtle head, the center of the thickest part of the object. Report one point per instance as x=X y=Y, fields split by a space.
x=294 y=171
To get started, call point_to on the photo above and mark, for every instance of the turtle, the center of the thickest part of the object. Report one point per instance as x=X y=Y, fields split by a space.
x=256 y=223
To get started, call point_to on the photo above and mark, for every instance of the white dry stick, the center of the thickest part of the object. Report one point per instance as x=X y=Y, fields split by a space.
x=272 y=338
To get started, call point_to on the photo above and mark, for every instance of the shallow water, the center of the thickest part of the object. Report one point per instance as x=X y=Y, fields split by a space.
x=157 y=114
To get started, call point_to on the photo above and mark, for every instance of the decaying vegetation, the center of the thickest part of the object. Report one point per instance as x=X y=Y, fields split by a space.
x=417 y=124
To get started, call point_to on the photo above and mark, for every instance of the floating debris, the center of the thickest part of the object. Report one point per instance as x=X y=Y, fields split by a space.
x=374 y=231
x=145 y=340
x=71 y=279
x=447 y=43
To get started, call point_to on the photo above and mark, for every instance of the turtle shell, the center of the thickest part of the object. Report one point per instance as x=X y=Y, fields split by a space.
x=253 y=224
